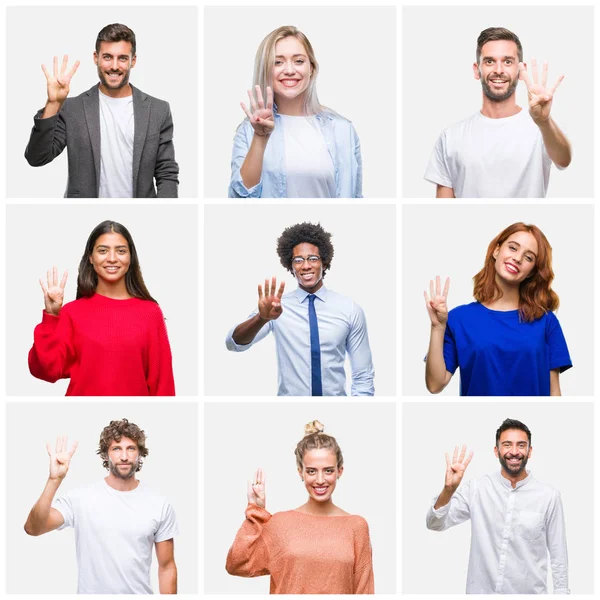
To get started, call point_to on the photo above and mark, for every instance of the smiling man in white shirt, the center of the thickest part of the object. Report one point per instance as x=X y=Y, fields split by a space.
x=516 y=521
x=314 y=327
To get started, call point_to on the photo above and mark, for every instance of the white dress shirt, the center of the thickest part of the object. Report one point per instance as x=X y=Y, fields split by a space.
x=342 y=329
x=512 y=532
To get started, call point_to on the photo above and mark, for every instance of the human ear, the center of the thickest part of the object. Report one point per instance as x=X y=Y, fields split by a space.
x=496 y=451
x=300 y=473
x=476 y=72
x=340 y=471
x=496 y=251
x=95 y=58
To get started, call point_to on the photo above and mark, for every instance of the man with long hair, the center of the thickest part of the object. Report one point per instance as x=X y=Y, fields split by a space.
x=117 y=521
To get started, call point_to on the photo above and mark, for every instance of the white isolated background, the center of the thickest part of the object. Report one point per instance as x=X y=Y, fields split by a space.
x=241 y=251
x=47 y=564
x=436 y=562
x=239 y=438
x=355 y=47
x=451 y=241
x=439 y=88
x=166 y=68
x=40 y=236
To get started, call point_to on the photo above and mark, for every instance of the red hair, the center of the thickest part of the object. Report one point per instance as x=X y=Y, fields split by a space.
x=536 y=297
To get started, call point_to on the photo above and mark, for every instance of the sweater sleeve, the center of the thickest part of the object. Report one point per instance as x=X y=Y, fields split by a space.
x=51 y=355
x=160 y=363
x=249 y=556
x=363 y=560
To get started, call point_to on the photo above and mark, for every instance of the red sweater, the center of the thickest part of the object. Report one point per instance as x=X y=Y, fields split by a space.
x=106 y=347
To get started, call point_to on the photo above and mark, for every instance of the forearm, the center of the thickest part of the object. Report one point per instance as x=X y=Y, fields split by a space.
x=436 y=374
x=555 y=383
x=38 y=516
x=51 y=109
x=444 y=497
x=246 y=332
x=444 y=192
x=167 y=578
x=557 y=145
x=251 y=169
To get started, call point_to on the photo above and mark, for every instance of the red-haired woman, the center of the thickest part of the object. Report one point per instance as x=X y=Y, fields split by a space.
x=508 y=342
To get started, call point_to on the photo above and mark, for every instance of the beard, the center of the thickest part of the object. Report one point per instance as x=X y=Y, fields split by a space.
x=492 y=95
x=112 y=86
x=513 y=470
x=114 y=469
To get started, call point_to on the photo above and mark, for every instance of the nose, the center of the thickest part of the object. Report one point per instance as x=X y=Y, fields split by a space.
x=115 y=63
x=289 y=68
x=499 y=67
x=112 y=256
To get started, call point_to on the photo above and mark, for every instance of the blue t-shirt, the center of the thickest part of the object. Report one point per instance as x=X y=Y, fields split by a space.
x=499 y=355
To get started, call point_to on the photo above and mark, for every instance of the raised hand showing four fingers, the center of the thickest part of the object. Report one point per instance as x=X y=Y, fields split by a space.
x=59 y=83
x=539 y=95
x=54 y=294
x=256 y=490
x=456 y=469
x=260 y=115
x=60 y=458
x=437 y=302
x=269 y=303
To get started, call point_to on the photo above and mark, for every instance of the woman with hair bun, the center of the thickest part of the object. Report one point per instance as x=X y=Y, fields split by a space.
x=508 y=342
x=112 y=340
x=315 y=549
x=290 y=145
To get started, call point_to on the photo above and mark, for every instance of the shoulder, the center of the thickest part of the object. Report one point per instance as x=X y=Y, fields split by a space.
x=76 y=306
x=359 y=524
x=328 y=116
x=156 y=102
x=458 y=127
x=464 y=311
x=546 y=489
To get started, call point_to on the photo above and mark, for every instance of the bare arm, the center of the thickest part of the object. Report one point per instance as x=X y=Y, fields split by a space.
x=444 y=192
x=167 y=569
x=245 y=332
x=557 y=145
x=43 y=518
x=555 y=383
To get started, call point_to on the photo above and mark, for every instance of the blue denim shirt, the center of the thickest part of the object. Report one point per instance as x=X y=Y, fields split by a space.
x=342 y=143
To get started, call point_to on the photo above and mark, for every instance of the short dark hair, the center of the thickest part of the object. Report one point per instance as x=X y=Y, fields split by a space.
x=117 y=430
x=492 y=34
x=512 y=424
x=115 y=32
x=304 y=233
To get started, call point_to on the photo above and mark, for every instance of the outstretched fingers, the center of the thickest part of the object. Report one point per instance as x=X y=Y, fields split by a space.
x=73 y=448
x=73 y=69
x=524 y=75
x=245 y=109
x=555 y=86
x=269 y=98
x=63 y=281
x=446 y=287
x=468 y=459
x=281 y=288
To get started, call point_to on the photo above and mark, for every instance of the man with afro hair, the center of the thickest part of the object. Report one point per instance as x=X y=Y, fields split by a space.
x=314 y=327
x=117 y=520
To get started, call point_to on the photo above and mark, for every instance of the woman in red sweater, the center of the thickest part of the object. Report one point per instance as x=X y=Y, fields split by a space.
x=112 y=340
x=315 y=549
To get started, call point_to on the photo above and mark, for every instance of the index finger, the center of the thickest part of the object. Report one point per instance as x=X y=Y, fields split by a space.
x=468 y=459
x=544 y=74
x=46 y=72
x=524 y=75
x=269 y=98
x=63 y=281
x=446 y=287
x=558 y=82
x=65 y=62
x=73 y=448
x=259 y=97
x=281 y=288
x=74 y=69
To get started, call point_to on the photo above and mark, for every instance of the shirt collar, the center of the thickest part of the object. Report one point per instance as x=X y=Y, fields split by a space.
x=321 y=294
x=506 y=483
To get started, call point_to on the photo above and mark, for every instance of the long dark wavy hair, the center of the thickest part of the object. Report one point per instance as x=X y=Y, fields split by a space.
x=87 y=279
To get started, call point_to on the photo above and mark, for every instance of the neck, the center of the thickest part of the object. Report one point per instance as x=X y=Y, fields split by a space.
x=510 y=298
x=117 y=291
x=313 y=289
x=500 y=110
x=514 y=479
x=292 y=107
x=122 y=485
x=324 y=509
x=121 y=92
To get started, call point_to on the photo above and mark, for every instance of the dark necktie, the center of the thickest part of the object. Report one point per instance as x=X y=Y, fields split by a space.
x=315 y=349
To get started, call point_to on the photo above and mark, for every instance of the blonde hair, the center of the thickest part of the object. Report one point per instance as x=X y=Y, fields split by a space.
x=315 y=439
x=265 y=59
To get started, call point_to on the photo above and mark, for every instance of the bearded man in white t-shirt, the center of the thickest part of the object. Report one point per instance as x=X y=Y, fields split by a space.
x=502 y=151
x=117 y=520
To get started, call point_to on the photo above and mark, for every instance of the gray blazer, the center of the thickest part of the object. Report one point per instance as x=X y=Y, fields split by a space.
x=77 y=126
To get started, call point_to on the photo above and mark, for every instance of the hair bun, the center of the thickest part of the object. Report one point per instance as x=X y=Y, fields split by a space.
x=313 y=427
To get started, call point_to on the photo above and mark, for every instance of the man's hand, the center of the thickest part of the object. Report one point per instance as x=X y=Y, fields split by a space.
x=60 y=459
x=455 y=470
x=58 y=84
x=256 y=490
x=269 y=303
x=539 y=95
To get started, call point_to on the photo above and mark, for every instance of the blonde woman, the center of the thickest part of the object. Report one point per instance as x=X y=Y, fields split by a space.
x=290 y=146
x=315 y=549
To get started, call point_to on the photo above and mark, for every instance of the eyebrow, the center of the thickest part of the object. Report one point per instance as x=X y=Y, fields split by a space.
x=494 y=58
x=294 y=56
x=104 y=246
x=517 y=243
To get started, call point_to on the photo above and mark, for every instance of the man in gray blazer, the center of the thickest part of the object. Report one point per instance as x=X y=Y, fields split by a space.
x=119 y=140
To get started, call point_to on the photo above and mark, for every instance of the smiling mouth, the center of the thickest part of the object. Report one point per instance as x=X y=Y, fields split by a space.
x=321 y=491
x=289 y=82
x=511 y=268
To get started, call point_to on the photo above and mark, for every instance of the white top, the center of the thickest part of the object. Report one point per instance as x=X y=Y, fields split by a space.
x=308 y=164
x=115 y=533
x=481 y=157
x=512 y=532
x=116 y=146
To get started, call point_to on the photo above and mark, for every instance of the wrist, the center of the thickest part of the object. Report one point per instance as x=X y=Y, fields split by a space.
x=52 y=108
x=439 y=327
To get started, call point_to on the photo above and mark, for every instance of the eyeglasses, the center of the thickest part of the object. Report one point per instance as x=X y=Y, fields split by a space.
x=299 y=260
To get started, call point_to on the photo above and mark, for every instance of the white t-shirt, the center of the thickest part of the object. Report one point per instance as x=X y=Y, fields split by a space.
x=115 y=533
x=481 y=157
x=116 y=147
x=308 y=164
